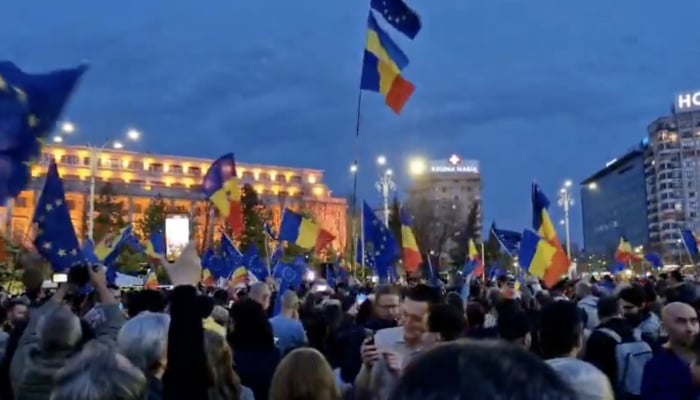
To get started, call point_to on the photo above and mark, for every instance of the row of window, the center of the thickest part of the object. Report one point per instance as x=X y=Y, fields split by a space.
x=159 y=168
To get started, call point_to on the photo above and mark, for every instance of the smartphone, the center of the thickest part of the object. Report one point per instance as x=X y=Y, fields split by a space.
x=177 y=234
x=369 y=334
x=59 y=278
x=361 y=298
x=321 y=288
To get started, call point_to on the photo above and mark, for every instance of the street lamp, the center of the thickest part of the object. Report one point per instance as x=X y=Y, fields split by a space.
x=385 y=185
x=566 y=201
x=417 y=166
x=353 y=168
x=68 y=128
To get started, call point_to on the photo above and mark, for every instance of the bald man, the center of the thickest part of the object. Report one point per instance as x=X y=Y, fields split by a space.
x=260 y=292
x=668 y=374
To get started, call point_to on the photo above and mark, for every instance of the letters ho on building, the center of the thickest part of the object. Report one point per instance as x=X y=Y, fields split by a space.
x=688 y=101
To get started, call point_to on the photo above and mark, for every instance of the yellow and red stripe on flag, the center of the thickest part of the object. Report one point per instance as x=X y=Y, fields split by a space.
x=475 y=256
x=303 y=232
x=543 y=258
x=410 y=254
x=222 y=188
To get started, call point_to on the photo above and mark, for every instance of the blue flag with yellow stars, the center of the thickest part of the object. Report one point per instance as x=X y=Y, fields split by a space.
x=380 y=242
x=30 y=104
x=399 y=15
x=55 y=237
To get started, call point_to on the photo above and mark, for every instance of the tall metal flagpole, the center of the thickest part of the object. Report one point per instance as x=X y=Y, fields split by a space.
x=362 y=243
x=483 y=256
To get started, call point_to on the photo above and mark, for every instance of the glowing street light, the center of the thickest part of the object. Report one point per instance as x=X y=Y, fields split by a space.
x=133 y=134
x=566 y=201
x=417 y=166
x=381 y=160
x=389 y=172
x=592 y=186
x=118 y=145
x=353 y=168
x=57 y=139
x=67 y=127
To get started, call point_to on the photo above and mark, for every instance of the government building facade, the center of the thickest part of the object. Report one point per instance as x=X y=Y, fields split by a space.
x=136 y=178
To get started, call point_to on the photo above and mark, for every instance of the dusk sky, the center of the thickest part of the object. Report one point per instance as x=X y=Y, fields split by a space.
x=539 y=90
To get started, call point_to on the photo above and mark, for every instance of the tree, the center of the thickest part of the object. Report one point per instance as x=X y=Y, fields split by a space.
x=435 y=223
x=153 y=217
x=254 y=217
x=110 y=214
x=470 y=231
x=395 y=219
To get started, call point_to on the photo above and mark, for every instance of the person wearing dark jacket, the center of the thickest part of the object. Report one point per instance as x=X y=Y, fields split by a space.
x=255 y=355
x=600 y=348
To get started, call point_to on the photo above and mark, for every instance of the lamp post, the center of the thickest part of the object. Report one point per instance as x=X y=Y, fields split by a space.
x=68 y=128
x=566 y=201
x=385 y=185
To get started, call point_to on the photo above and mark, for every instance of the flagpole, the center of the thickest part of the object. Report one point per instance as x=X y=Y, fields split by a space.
x=687 y=250
x=483 y=257
x=362 y=244
x=267 y=254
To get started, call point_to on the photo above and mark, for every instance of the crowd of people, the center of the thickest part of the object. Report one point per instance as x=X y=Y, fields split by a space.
x=583 y=339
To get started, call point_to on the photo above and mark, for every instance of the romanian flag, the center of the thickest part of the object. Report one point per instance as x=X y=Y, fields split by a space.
x=382 y=65
x=475 y=257
x=542 y=258
x=151 y=280
x=221 y=187
x=303 y=232
x=410 y=254
x=239 y=277
x=207 y=278
x=624 y=252
x=107 y=250
x=542 y=223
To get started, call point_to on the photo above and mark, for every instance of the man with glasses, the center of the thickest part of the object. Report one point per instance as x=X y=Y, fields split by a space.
x=386 y=308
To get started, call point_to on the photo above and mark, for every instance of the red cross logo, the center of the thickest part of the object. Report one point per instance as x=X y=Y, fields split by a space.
x=454 y=159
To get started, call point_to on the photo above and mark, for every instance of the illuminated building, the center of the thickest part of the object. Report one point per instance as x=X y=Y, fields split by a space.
x=614 y=203
x=446 y=189
x=138 y=177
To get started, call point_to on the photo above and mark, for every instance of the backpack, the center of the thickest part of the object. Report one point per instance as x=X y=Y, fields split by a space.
x=631 y=358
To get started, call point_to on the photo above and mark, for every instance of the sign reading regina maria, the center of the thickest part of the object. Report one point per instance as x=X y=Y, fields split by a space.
x=455 y=165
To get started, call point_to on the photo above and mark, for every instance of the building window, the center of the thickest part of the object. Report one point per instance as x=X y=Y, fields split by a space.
x=176 y=169
x=71 y=204
x=247 y=175
x=69 y=159
x=115 y=163
x=138 y=209
x=156 y=167
x=136 y=165
x=194 y=171
x=86 y=161
x=46 y=158
x=689 y=174
x=280 y=178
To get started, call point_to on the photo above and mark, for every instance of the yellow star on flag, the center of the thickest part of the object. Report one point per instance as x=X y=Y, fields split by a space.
x=49 y=207
x=61 y=253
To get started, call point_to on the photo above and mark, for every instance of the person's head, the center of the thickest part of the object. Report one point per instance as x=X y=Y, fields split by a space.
x=260 y=292
x=676 y=277
x=387 y=302
x=446 y=321
x=681 y=323
x=304 y=374
x=561 y=329
x=59 y=330
x=608 y=307
x=99 y=374
x=251 y=327
x=224 y=383
x=483 y=370
x=220 y=315
x=455 y=300
x=494 y=296
x=632 y=301
x=476 y=315
x=17 y=311
x=583 y=289
x=514 y=327
x=144 y=341
x=145 y=300
x=415 y=310
x=290 y=304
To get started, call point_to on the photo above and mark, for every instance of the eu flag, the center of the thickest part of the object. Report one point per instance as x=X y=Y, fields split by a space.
x=399 y=15
x=30 y=104
x=55 y=238
x=380 y=241
x=253 y=263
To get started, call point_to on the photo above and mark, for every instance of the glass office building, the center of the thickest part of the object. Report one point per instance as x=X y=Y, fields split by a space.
x=614 y=204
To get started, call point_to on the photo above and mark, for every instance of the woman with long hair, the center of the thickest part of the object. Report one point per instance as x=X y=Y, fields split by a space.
x=304 y=374
x=224 y=383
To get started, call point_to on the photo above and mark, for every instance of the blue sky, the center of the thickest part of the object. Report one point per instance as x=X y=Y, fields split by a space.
x=538 y=89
